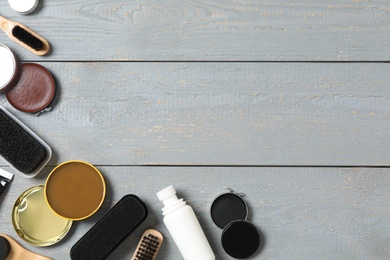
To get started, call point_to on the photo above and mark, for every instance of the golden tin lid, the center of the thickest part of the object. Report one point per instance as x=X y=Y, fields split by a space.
x=35 y=222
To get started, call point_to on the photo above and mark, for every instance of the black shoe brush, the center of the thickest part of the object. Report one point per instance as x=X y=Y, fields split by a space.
x=110 y=231
x=20 y=148
x=24 y=36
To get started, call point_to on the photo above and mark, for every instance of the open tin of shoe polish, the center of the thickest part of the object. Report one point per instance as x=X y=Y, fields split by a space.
x=240 y=238
x=75 y=190
x=29 y=87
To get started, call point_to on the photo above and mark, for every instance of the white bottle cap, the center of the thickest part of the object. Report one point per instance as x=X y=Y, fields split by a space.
x=23 y=6
x=168 y=196
x=166 y=193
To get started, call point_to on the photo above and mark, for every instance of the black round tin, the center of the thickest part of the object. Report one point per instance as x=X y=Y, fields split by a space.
x=228 y=207
x=240 y=238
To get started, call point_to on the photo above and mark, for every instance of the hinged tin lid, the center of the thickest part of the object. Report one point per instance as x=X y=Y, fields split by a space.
x=228 y=207
x=35 y=222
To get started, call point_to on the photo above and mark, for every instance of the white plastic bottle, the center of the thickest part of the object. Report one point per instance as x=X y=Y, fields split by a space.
x=184 y=227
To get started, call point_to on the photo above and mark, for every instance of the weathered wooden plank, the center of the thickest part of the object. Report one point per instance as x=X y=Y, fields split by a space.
x=218 y=114
x=303 y=213
x=208 y=30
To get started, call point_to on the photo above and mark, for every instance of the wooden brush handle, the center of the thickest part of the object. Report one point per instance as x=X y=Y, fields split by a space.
x=7 y=26
x=18 y=252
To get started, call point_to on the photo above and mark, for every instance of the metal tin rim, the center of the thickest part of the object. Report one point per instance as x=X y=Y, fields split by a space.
x=19 y=229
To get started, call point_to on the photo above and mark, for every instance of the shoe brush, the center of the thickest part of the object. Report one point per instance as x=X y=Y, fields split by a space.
x=148 y=246
x=25 y=37
x=11 y=250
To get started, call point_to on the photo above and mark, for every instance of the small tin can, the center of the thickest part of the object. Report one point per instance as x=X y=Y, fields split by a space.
x=240 y=238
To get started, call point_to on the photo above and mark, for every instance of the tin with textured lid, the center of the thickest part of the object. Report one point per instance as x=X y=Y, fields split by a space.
x=34 y=89
x=29 y=87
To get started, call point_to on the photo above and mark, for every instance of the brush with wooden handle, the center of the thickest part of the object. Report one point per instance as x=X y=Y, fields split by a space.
x=25 y=37
x=11 y=250
x=148 y=246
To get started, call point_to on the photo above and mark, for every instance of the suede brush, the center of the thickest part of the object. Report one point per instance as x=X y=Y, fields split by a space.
x=25 y=37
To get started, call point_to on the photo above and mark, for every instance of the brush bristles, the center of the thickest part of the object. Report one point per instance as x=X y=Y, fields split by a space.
x=27 y=38
x=148 y=248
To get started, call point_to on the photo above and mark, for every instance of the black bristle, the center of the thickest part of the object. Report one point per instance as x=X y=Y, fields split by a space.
x=148 y=248
x=26 y=37
x=18 y=147
x=4 y=248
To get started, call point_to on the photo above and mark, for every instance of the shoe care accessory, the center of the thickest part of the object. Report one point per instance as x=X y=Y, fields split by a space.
x=29 y=87
x=35 y=222
x=184 y=227
x=110 y=231
x=148 y=246
x=20 y=147
x=11 y=250
x=240 y=238
x=5 y=178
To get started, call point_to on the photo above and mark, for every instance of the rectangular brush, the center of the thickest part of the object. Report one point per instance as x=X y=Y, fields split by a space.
x=20 y=147
x=110 y=231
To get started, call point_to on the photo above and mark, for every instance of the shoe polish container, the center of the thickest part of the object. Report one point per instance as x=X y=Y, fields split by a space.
x=184 y=227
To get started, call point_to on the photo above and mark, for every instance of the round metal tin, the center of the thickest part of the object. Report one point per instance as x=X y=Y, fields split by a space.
x=227 y=208
x=34 y=89
x=8 y=67
x=35 y=222
x=240 y=239
x=75 y=190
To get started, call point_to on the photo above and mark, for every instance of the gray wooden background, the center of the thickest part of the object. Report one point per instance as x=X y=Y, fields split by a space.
x=286 y=101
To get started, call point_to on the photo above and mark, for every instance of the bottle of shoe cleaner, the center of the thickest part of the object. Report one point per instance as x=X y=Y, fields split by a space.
x=184 y=227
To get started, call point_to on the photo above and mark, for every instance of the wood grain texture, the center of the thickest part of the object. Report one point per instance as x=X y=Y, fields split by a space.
x=218 y=114
x=302 y=30
x=152 y=94
x=303 y=213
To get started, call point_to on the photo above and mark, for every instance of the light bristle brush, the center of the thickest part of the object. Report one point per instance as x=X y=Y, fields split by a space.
x=148 y=246
x=25 y=37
